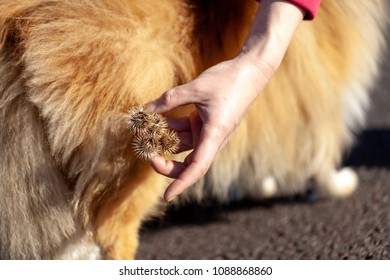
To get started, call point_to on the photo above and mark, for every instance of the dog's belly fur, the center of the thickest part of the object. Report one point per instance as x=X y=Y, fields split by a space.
x=70 y=185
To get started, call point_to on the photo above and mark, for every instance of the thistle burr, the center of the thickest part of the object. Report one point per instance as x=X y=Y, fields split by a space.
x=169 y=142
x=152 y=136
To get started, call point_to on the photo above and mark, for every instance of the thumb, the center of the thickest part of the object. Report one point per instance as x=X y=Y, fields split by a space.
x=171 y=99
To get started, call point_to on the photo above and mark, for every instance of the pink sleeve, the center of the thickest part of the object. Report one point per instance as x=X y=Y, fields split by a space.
x=310 y=6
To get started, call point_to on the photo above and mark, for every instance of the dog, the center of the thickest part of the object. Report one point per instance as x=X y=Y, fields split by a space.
x=70 y=184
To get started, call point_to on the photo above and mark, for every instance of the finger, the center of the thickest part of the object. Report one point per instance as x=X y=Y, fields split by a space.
x=196 y=125
x=169 y=168
x=198 y=165
x=186 y=142
x=179 y=124
x=172 y=99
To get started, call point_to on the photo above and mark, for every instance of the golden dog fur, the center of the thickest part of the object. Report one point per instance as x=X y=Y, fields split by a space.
x=70 y=186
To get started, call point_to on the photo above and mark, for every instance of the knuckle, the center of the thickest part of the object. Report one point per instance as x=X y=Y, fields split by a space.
x=203 y=167
x=221 y=131
x=169 y=97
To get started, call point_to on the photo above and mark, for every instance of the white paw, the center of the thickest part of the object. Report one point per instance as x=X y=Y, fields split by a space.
x=343 y=182
x=269 y=187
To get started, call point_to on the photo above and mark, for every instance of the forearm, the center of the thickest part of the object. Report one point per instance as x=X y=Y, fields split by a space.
x=272 y=30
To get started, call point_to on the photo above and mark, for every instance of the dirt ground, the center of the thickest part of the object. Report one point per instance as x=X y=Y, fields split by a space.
x=354 y=228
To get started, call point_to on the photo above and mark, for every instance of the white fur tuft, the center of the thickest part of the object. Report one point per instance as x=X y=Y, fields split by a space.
x=344 y=183
x=80 y=248
x=269 y=187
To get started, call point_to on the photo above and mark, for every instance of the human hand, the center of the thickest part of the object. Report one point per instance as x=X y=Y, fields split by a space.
x=222 y=95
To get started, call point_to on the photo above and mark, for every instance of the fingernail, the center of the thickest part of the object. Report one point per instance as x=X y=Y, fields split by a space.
x=171 y=198
x=170 y=193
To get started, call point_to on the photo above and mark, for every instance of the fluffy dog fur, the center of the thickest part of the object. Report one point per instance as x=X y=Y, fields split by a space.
x=70 y=186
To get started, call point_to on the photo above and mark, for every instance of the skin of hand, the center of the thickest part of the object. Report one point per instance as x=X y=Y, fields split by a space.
x=223 y=94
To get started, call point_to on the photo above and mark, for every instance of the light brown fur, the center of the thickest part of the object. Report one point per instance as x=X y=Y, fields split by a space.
x=70 y=70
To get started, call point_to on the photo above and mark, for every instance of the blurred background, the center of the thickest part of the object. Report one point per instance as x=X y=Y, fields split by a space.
x=357 y=227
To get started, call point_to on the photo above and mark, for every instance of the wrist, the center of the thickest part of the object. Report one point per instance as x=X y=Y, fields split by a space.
x=256 y=71
x=264 y=53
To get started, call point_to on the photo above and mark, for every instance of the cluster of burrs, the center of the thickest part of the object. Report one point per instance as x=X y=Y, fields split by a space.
x=152 y=136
